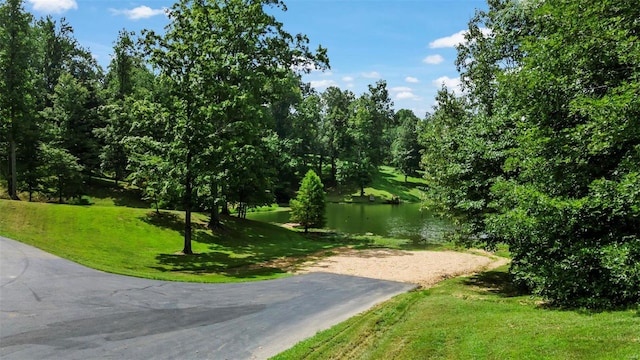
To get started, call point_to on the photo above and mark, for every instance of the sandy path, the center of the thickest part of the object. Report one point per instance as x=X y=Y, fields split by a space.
x=424 y=268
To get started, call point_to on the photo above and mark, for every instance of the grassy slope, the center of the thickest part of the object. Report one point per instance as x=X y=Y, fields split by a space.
x=136 y=242
x=387 y=182
x=475 y=318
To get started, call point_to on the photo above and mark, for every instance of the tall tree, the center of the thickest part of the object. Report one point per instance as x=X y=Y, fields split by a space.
x=541 y=153
x=128 y=80
x=15 y=82
x=62 y=59
x=382 y=124
x=405 y=149
x=337 y=106
x=217 y=58
x=573 y=190
x=357 y=165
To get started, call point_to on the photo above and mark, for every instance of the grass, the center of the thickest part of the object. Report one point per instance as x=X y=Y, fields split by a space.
x=387 y=183
x=137 y=242
x=479 y=317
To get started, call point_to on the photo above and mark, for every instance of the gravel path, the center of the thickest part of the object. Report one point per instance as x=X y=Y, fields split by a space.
x=424 y=268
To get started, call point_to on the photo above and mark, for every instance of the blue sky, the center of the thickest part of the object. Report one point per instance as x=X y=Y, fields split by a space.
x=408 y=43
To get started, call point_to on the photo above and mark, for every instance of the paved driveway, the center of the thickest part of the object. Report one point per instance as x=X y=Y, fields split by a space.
x=54 y=308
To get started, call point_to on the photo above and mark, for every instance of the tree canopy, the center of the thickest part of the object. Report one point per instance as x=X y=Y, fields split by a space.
x=541 y=152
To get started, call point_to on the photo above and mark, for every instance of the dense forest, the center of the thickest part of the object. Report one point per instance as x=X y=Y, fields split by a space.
x=540 y=151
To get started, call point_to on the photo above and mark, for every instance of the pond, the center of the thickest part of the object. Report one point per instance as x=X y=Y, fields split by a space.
x=405 y=221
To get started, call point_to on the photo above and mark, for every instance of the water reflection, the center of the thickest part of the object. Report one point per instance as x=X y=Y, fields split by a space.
x=405 y=221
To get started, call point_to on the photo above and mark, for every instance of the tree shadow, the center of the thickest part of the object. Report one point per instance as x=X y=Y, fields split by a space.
x=389 y=183
x=215 y=262
x=106 y=189
x=495 y=282
x=171 y=221
x=165 y=220
x=241 y=248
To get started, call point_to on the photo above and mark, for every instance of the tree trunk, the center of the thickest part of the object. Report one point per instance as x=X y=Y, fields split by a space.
x=214 y=220
x=59 y=190
x=187 y=208
x=405 y=178
x=334 y=171
x=13 y=183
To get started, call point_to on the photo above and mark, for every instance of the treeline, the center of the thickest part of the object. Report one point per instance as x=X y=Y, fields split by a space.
x=542 y=150
x=212 y=111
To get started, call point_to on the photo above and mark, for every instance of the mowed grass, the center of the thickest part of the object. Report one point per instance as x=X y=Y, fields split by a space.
x=387 y=183
x=479 y=317
x=138 y=242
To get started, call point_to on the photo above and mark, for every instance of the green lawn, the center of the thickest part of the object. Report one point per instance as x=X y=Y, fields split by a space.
x=480 y=317
x=138 y=242
x=387 y=183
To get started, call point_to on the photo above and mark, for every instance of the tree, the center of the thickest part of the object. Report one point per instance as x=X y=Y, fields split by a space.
x=357 y=165
x=309 y=205
x=541 y=151
x=569 y=208
x=218 y=58
x=127 y=81
x=63 y=171
x=15 y=83
x=335 y=137
x=381 y=125
x=405 y=149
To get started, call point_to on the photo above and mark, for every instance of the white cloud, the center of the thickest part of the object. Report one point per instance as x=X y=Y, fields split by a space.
x=452 y=84
x=455 y=39
x=404 y=95
x=371 y=75
x=347 y=79
x=411 y=79
x=449 y=41
x=53 y=6
x=401 y=89
x=140 y=12
x=322 y=84
x=433 y=59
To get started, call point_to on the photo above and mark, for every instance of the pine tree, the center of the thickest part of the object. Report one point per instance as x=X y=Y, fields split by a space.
x=309 y=206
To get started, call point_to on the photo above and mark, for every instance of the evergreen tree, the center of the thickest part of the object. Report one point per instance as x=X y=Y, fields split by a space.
x=308 y=207
x=16 y=74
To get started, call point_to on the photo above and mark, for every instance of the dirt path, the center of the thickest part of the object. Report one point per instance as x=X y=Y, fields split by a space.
x=424 y=268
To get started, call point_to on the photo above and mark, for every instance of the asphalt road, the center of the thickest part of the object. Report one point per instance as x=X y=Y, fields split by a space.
x=54 y=308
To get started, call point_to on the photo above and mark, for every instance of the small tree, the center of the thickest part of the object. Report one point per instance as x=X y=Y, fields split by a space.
x=308 y=207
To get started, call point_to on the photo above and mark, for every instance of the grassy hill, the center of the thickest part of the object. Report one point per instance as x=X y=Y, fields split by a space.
x=387 y=183
x=138 y=242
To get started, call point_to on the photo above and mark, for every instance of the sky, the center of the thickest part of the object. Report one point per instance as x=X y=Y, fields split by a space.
x=408 y=43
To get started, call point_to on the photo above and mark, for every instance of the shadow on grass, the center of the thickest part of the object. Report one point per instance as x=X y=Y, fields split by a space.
x=241 y=249
x=389 y=183
x=169 y=220
x=495 y=282
x=106 y=189
x=214 y=263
